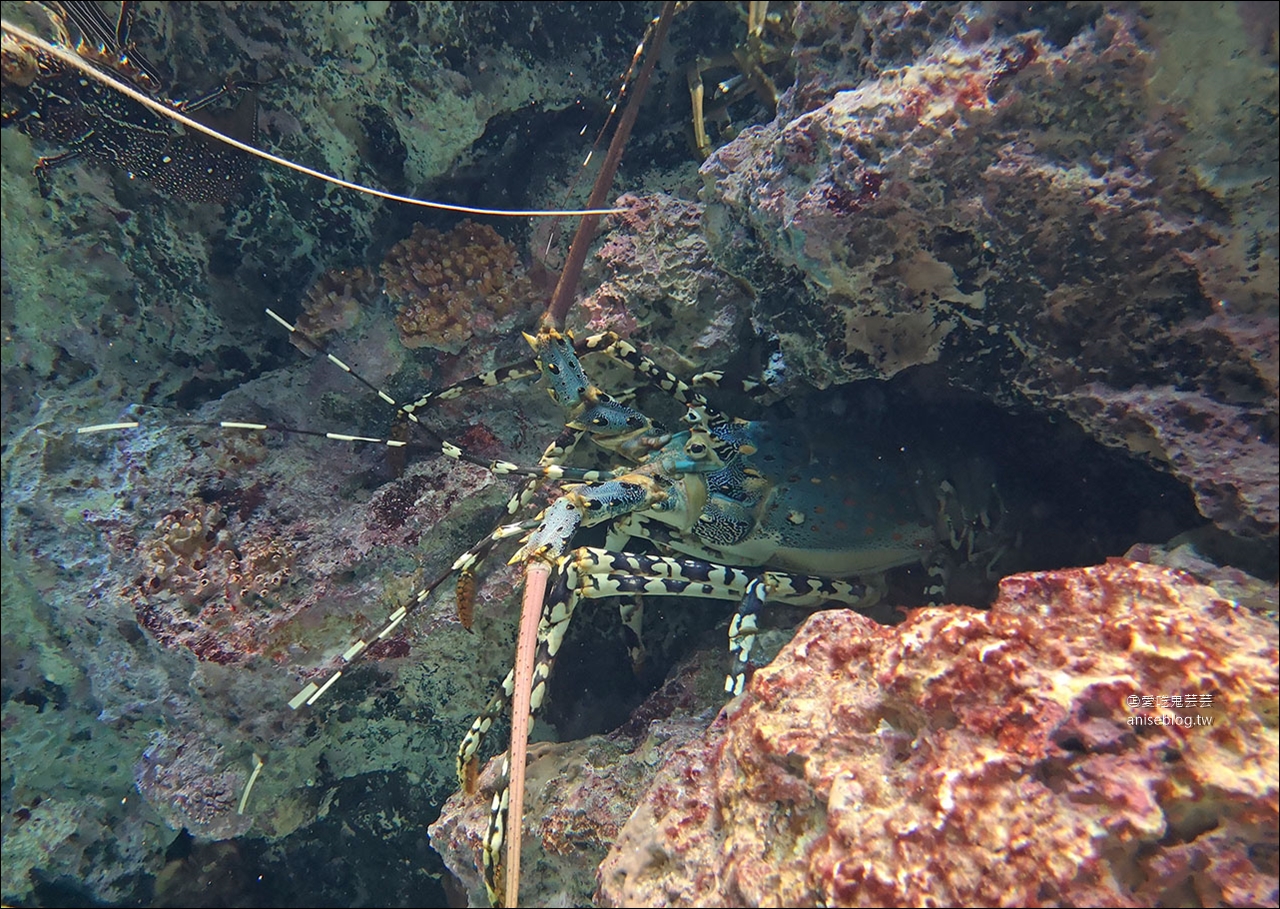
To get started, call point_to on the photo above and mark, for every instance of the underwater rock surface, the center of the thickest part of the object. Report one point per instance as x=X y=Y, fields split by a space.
x=983 y=758
x=1059 y=227
x=580 y=794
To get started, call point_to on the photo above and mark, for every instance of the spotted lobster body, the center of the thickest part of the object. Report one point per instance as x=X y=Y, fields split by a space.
x=779 y=504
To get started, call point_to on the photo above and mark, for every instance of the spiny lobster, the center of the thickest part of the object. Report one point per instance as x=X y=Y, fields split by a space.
x=744 y=502
x=737 y=509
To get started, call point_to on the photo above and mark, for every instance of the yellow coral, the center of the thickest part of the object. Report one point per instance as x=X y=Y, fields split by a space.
x=204 y=590
x=452 y=286
x=185 y=556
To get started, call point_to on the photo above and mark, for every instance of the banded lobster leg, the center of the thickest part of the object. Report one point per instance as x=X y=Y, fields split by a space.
x=606 y=343
x=611 y=423
x=589 y=573
x=605 y=419
x=468 y=564
x=551 y=464
x=654 y=485
x=313 y=691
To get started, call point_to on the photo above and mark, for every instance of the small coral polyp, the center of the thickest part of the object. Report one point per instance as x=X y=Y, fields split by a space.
x=452 y=286
x=201 y=587
x=334 y=303
x=181 y=556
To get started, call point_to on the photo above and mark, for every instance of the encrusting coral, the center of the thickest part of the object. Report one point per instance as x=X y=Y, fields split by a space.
x=451 y=286
x=188 y=783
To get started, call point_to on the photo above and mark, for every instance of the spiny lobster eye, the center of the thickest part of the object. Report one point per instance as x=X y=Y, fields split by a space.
x=697 y=448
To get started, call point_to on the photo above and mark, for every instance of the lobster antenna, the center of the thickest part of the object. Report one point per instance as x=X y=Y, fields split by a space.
x=576 y=258
x=164 y=110
x=623 y=85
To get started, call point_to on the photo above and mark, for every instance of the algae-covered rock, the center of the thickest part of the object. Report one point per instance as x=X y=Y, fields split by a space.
x=1102 y=736
x=1039 y=206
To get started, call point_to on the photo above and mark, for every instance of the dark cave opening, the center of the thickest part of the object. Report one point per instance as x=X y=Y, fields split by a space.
x=1071 y=502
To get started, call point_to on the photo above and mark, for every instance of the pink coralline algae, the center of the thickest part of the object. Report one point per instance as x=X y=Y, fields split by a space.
x=1103 y=736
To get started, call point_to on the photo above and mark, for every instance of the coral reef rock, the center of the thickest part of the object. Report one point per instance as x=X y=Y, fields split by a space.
x=1034 y=205
x=334 y=303
x=167 y=592
x=656 y=283
x=579 y=794
x=1102 y=736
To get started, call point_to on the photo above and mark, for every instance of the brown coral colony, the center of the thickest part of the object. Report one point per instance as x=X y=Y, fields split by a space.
x=451 y=286
x=198 y=577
